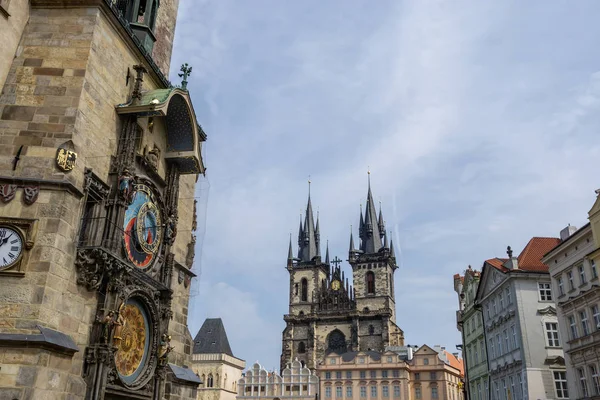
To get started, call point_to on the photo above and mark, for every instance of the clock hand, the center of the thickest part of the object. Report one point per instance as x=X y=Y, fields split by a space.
x=5 y=240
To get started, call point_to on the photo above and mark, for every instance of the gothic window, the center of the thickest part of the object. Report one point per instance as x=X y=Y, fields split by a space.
x=138 y=11
x=204 y=379
x=304 y=290
x=209 y=381
x=217 y=381
x=371 y=330
x=296 y=289
x=301 y=348
x=366 y=309
x=301 y=313
x=336 y=342
x=370 y=280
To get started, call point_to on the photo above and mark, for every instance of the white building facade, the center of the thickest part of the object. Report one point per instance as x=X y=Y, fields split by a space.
x=295 y=382
x=575 y=285
x=525 y=356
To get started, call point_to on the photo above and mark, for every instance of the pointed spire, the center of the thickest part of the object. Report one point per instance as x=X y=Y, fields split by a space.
x=327 y=253
x=300 y=231
x=370 y=234
x=380 y=222
x=392 y=253
x=318 y=236
x=308 y=240
x=385 y=241
x=290 y=253
x=352 y=249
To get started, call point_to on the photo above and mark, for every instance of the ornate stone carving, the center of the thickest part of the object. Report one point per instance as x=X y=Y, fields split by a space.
x=152 y=157
x=7 y=192
x=171 y=229
x=126 y=180
x=195 y=217
x=164 y=349
x=191 y=252
x=30 y=194
x=66 y=156
x=95 y=264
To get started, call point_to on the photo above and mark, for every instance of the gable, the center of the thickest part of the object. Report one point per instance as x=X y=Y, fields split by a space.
x=491 y=278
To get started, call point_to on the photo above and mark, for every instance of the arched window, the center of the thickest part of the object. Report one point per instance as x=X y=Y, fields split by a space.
x=301 y=348
x=370 y=280
x=304 y=290
x=366 y=309
x=217 y=382
x=209 y=381
x=336 y=342
x=371 y=330
x=301 y=313
x=204 y=380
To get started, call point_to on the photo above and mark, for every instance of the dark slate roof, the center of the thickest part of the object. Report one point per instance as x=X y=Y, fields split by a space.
x=47 y=338
x=212 y=338
x=184 y=374
x=351 y=355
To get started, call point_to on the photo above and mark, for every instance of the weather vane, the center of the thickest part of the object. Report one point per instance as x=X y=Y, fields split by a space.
x=185 y=72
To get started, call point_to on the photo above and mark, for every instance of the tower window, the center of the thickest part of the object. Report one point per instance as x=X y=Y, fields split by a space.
x=370 y=280
x=304 y=290
x=209 y=381
x=301 y=348
x=371 y=330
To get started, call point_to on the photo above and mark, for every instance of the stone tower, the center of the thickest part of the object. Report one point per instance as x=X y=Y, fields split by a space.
x=326 y=314
x=99 y=155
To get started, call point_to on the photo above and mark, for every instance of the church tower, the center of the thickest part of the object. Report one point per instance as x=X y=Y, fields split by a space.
x=326 y=314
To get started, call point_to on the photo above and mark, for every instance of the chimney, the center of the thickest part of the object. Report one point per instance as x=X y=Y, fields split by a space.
x=567 y=232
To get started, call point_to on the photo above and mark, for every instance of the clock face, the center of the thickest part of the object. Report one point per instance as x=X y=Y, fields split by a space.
x=335 y=285
x=142 y=228
x=11 y=246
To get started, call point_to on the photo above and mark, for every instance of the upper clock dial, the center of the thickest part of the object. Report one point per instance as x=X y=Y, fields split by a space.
x=142 y=228
x=335 y=285
x=11 y=246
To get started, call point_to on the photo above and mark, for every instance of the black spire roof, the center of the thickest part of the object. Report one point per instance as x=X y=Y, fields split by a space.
x=308 y=237
x=212 y=338
x=371 y=228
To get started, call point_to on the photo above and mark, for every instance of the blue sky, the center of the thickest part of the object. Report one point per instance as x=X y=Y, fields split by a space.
x=478 y=120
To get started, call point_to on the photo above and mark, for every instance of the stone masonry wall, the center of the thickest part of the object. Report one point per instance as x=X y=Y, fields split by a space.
x=11 y=29
x=165 y=30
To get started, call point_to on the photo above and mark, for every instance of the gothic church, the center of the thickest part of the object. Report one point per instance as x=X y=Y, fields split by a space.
x=326 y=313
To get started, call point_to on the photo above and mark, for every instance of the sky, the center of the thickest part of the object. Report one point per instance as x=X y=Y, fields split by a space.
x=479 y=122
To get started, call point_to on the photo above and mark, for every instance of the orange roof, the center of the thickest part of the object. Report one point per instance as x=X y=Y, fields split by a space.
x=497 y=263
x=530 y=258
x=455 y=362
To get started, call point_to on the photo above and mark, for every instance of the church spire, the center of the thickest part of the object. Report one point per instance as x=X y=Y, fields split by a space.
x=318 y=236
x=370 y=234
x=327 y=253
x=290 y=259
x=308 y=239
x=392 y=253
x=380 y=222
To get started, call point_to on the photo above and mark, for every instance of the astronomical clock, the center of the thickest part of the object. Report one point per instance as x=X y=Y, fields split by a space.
x=126 y=247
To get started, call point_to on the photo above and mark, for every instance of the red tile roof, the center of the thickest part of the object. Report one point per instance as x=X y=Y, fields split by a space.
x=530 y=258
x=455 y=362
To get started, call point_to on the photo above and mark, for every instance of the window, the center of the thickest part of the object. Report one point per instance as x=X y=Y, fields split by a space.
x=482 y=350
x=348 y=391
x=487 y=311
x=561 y=288
x=594 y=270
x=476 y=354
x=363 y=374
x=506 y=345
x=396 y=391
x=487 y=388
x=328 y=391
x=479 y=392
x=370 y=280
x=371 y=330
x=417 y=376
x=512 y=387
x=585 y=325
x=501 y=300
x=433 y=376
x=582 y=278
x=499 y=342
x=582 y=382
x=426 y=361
x=209 y=381
x=338 y=375
x=327 y=375
x=596 y=315
x=373 y=374
x=373 y=391
x=595 y=379
x=304 y=290
x=417 y=392
x=348 y=374
x=521 y=388
x=492 y=353
x=434 y=392
x=573 y=326
x=396 y=373
x=386 y=391
x=390 y=359
x=508 y=298
x=384 y=374
x=338 y=391
x=332 y=361
x=504 y=389
x=497 y=389
x=494 y=306
x=361 y=360
x=552 y=334
x=301 y=348
x=363 y=391
x=545 y=292
x=570 y=278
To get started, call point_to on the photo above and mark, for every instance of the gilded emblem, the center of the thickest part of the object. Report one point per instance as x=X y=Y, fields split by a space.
x=65 y=159
x=131 y=340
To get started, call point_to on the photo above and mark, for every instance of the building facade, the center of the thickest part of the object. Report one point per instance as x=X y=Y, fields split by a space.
x=429 y=374
x=99 y=155
x=326 y=313
x=574 y=270
x=296 y=382
x=214 y=362
x=469 y=320
x=525 y=356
